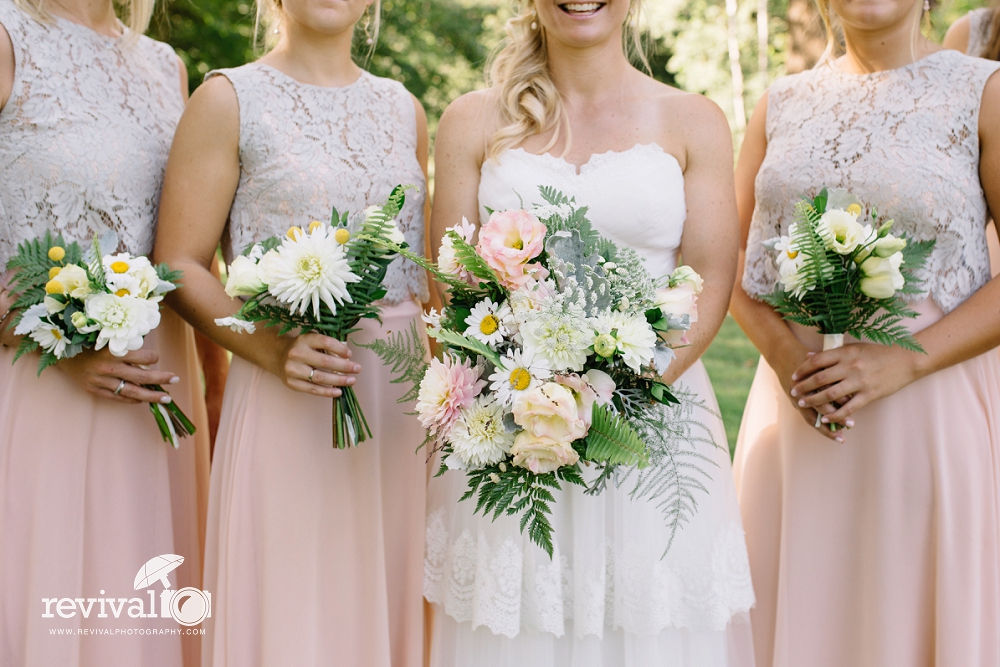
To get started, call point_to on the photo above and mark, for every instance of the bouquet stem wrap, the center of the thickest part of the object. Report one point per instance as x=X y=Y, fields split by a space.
x=830 y=342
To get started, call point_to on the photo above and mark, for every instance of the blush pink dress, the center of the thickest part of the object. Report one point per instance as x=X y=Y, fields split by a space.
x=89 y=492
x=314 y=554
x=883 y=551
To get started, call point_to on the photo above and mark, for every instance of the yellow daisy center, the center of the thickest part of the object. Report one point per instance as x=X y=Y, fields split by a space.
x=489 y=324
x=520 y=379
x=56 y=253
x=119 y=266
x=57 y=334
x=54 y=287
x=792 y=254
x=314 y=225
x=341 y=236
x=54 y=271
x=854 y=209
x=122 y=292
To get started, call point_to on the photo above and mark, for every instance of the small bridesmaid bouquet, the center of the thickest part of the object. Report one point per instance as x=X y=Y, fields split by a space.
x=842 y=272
x=321 y=279
x=72 y=301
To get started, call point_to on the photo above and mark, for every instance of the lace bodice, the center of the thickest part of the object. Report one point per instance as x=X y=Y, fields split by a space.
x=979 y=30
x=305 y=149
x=650 y=220
x=85 y=134
x=905 y=141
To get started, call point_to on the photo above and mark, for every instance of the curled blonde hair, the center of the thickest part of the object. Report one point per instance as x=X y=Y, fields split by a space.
x=135 y=13
x=528 y=101
x=268 y=19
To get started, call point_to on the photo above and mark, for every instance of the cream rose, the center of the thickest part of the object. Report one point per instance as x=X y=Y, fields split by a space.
x=550 y=411
x=542 y=455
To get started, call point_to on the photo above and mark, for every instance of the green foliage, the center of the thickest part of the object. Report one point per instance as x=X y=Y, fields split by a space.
x=454 y=339
x=404 y=351
x=612 y=440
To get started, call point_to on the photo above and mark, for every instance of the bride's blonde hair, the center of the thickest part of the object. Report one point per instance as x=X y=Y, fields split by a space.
x=268 y=20
x=528 y=101
x=136 y=13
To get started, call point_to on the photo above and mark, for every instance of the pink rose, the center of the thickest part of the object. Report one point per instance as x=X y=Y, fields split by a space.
x=508 y=241
x=550 y=411
x=542 y=455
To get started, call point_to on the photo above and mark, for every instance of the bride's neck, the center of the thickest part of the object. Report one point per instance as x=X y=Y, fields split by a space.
x=588 y=73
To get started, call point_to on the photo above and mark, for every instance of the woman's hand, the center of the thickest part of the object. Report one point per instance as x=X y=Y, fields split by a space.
x=317 y=364
x=853 y=375
x=785 y=369
x=101 y=373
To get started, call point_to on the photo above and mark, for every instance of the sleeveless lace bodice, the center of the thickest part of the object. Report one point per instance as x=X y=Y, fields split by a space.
x=607 y=572
x=85 y=134
x=650 y=219
x=305 y=149
x=979 y=31
x=905 y=141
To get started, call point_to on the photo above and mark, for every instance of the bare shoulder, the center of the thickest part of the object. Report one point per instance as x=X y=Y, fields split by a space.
x=185 y=81
x=467 y=123
x=418 y=108
x=216 y=96
x=691 y=118
x=989 y=110
x=6 y=66
x=957 y=37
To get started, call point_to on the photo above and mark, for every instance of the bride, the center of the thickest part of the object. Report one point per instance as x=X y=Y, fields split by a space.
x=654 y=166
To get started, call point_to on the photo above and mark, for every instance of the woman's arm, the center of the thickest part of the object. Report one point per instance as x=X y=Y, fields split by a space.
x=765 y=328
x=423 y=149
x=869 y=372
x=7 y=67
x=957 y=37
x=711 y=231
x=201 y=180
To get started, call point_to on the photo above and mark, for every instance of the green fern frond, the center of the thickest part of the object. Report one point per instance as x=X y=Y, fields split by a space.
x=458 y=340
x=404 y=351
x=466 y=255
x=612 y=440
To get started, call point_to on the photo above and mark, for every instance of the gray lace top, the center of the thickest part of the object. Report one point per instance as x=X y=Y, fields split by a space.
x=85 y=134
x=305 y=149
x=905 y=141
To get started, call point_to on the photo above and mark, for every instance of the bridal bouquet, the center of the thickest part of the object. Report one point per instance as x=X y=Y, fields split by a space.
x=73 y=301
x=552 y=347
x=323 y=279
x=841 y=276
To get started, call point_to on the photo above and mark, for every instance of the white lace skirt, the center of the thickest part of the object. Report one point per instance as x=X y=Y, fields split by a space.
x=608 y=597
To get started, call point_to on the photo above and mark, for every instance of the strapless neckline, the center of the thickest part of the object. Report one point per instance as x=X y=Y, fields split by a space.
x=596 y=159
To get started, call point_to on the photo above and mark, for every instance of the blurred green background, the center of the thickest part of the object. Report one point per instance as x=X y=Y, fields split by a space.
x=729 y=50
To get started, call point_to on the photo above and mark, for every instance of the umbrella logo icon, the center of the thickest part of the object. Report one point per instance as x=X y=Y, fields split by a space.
x=188 y=605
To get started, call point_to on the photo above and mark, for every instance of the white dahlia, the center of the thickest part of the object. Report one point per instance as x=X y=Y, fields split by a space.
x=562 y=340
x=479 y=437
x=308 y=269
x=121 y=321
x=519 y=371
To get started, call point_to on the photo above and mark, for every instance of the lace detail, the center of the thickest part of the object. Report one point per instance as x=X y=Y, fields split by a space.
x=979 y=31
x=513 y=590
x=906 y=141
x=85 y=134
x=305 y=149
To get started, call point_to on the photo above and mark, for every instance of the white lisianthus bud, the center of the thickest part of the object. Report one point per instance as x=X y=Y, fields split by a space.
x=78 y=319
x=889 y=245
x=687 y=275
x=53 y=305
x=882 y=277
x=266 y=267
x=244 y=278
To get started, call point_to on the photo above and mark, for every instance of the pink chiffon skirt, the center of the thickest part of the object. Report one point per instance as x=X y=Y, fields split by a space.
x=315 y=555
x=883 y=551
x=89 y=492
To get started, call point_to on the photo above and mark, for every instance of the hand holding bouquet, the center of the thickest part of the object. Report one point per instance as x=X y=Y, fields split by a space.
x=841 y=276
x=322 y=279
x=554 y=341
x=73 y=301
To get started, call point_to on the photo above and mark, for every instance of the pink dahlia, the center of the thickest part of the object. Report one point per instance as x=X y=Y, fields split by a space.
x=508 y=241
x=448 y=387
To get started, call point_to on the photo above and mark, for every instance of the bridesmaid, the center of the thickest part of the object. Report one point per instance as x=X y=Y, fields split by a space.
x=314 y=555
x=882 y=548
x=88 y=490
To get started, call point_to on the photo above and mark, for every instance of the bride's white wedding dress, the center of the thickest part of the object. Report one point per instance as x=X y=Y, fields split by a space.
x=607 y=598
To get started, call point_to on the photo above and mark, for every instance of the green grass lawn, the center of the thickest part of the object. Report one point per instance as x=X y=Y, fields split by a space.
x=731 y=362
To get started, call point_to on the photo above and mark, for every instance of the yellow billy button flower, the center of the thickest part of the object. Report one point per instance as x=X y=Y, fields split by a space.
x=119 y=266
x=54 y=271
x=294 y=232
x=520 y=379
x=57 y=253
x=342 y=236
x=854 y=209
x=314 y=225
x=54 y=287
x=489 y=324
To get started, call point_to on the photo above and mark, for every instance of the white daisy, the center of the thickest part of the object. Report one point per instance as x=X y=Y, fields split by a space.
x=519 y=371
x=308 y=269
x=236 y=324
x=51 y=339
x=488 y=322
x=479 y=437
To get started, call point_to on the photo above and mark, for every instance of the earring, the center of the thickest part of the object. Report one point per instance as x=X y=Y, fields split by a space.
x=927 y=5
x=534 y=22
x=368 y=24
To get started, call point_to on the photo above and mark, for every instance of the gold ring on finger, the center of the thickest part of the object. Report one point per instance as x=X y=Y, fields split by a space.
x=311 y=372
